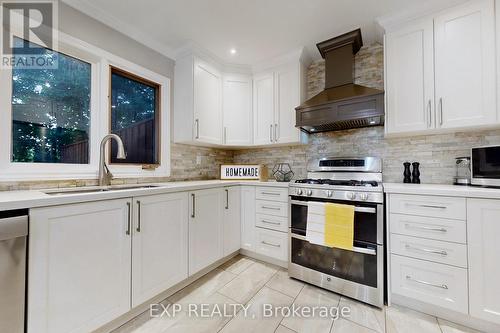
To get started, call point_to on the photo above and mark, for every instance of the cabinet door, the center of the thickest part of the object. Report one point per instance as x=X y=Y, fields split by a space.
x=232 y=219
x=409 y=53
x=79 y=267
x=207 y=104
x=205 y=229
x=263 y=103
x=248 y=218
x=159 y=243
x=483 y=228
x=287 y=99
x=465 y=63
x=237 y=110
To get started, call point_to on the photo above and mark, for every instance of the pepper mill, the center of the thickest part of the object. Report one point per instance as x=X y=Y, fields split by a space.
x=416 y=173
x=407 y=173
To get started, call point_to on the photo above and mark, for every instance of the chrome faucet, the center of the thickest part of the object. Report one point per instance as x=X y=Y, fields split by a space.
x=105 y=175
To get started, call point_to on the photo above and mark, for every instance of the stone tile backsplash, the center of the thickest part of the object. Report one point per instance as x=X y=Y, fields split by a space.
x=436 y=153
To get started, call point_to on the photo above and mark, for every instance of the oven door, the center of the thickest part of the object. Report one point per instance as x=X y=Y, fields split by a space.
x=368 y=220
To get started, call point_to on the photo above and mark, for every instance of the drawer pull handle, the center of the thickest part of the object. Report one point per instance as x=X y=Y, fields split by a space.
x=442 y=286
x=407 y=225
x=270 y=244
x=427 y=206
x=270 y=222
x=443 y=253
x=273 y=208
x=270 y=193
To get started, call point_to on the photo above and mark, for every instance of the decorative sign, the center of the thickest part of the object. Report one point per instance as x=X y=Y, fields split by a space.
x=243 y=172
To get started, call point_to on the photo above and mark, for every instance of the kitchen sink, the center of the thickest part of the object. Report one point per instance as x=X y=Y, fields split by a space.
x=97 y=189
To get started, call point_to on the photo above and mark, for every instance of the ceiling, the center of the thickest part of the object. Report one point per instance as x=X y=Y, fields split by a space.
x=256 y=29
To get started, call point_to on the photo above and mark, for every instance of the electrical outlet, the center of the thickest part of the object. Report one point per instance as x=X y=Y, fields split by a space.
x=198 y=159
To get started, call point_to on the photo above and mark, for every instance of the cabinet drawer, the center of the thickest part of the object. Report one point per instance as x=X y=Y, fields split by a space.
x=431 y=206
x=272 y=208
x=272 y=243
x=428 y=282
x=429 y=227
x=272 y=193
x=278 y=223
x=432 y=250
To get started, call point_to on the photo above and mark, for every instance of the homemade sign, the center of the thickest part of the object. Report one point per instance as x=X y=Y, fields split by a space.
x=243 y=172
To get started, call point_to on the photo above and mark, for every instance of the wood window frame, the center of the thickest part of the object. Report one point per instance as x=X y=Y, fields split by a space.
x=158 y=115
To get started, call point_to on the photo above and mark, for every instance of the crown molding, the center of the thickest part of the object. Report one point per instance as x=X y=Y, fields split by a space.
x=125 y=28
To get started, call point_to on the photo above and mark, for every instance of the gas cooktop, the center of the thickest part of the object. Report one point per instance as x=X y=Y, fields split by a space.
x=337 y=182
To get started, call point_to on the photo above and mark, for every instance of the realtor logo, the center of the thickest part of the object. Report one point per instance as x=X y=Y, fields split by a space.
x=29 y=34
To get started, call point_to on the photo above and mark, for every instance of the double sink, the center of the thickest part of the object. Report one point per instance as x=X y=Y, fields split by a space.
x=97 y=189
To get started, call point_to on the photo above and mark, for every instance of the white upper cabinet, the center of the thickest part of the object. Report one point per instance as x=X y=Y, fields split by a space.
x=197 y=102
x=410 y=78
x=465 y=65
x=207 y=103
x=237 y=110
x=159 y=243
x=288 y=97
x=276 y=95
x=440 y=71
x=263 y=103
x=216 y=107
x=483 y=228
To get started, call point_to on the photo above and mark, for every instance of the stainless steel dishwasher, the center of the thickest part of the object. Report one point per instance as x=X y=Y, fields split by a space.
x=13 y=243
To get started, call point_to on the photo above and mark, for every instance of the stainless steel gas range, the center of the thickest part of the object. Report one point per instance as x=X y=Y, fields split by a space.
x=358 y=273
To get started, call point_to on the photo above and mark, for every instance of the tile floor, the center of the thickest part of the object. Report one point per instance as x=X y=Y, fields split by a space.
x=243 y=280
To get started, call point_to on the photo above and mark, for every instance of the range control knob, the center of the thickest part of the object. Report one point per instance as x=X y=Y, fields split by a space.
x=363 y=196
x=298 y=191
x=350 y=195
x=329 y=193
x=309 y=193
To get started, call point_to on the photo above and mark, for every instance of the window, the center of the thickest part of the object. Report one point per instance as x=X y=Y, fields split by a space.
x=135 y=116
x=51 y=111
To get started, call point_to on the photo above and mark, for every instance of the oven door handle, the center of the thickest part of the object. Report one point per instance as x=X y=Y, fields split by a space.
x=370 y=210
x=354 y=248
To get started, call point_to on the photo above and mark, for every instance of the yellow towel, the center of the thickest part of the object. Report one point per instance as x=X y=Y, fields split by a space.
x=339 y=226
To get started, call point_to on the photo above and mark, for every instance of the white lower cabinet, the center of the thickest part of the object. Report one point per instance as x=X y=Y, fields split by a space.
x=248 y=218
x=205 y=229
x=436 y=284
x=159 y=244
x=79 y=266
x=483 y=230
x=232 y=220
x=270 y=243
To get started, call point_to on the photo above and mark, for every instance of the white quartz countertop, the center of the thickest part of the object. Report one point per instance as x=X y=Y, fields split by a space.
x=37 y=198
x=443 y=190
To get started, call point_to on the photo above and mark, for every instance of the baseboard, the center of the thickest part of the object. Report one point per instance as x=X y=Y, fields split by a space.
x=446 y=314
x=264 y=258
x=160 y=297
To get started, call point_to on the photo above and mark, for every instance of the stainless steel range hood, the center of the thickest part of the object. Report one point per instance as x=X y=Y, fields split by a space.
x=343 y=104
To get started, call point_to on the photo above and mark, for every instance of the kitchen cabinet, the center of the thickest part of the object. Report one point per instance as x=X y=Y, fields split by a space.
x=159 y=244
x=237 y=110
x=440 y=71
x=232 y=220
x=197 y=102
x=205 y=229
x=276 y=94
x=79 y=266
x=248 y=218
x=409 y=77
x=483 y=228
x=465 y=63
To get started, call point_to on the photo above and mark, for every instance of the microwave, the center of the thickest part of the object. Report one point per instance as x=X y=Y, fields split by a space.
x=485 y=166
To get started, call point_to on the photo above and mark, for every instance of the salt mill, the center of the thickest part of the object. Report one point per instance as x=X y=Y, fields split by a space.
x=416 y=173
